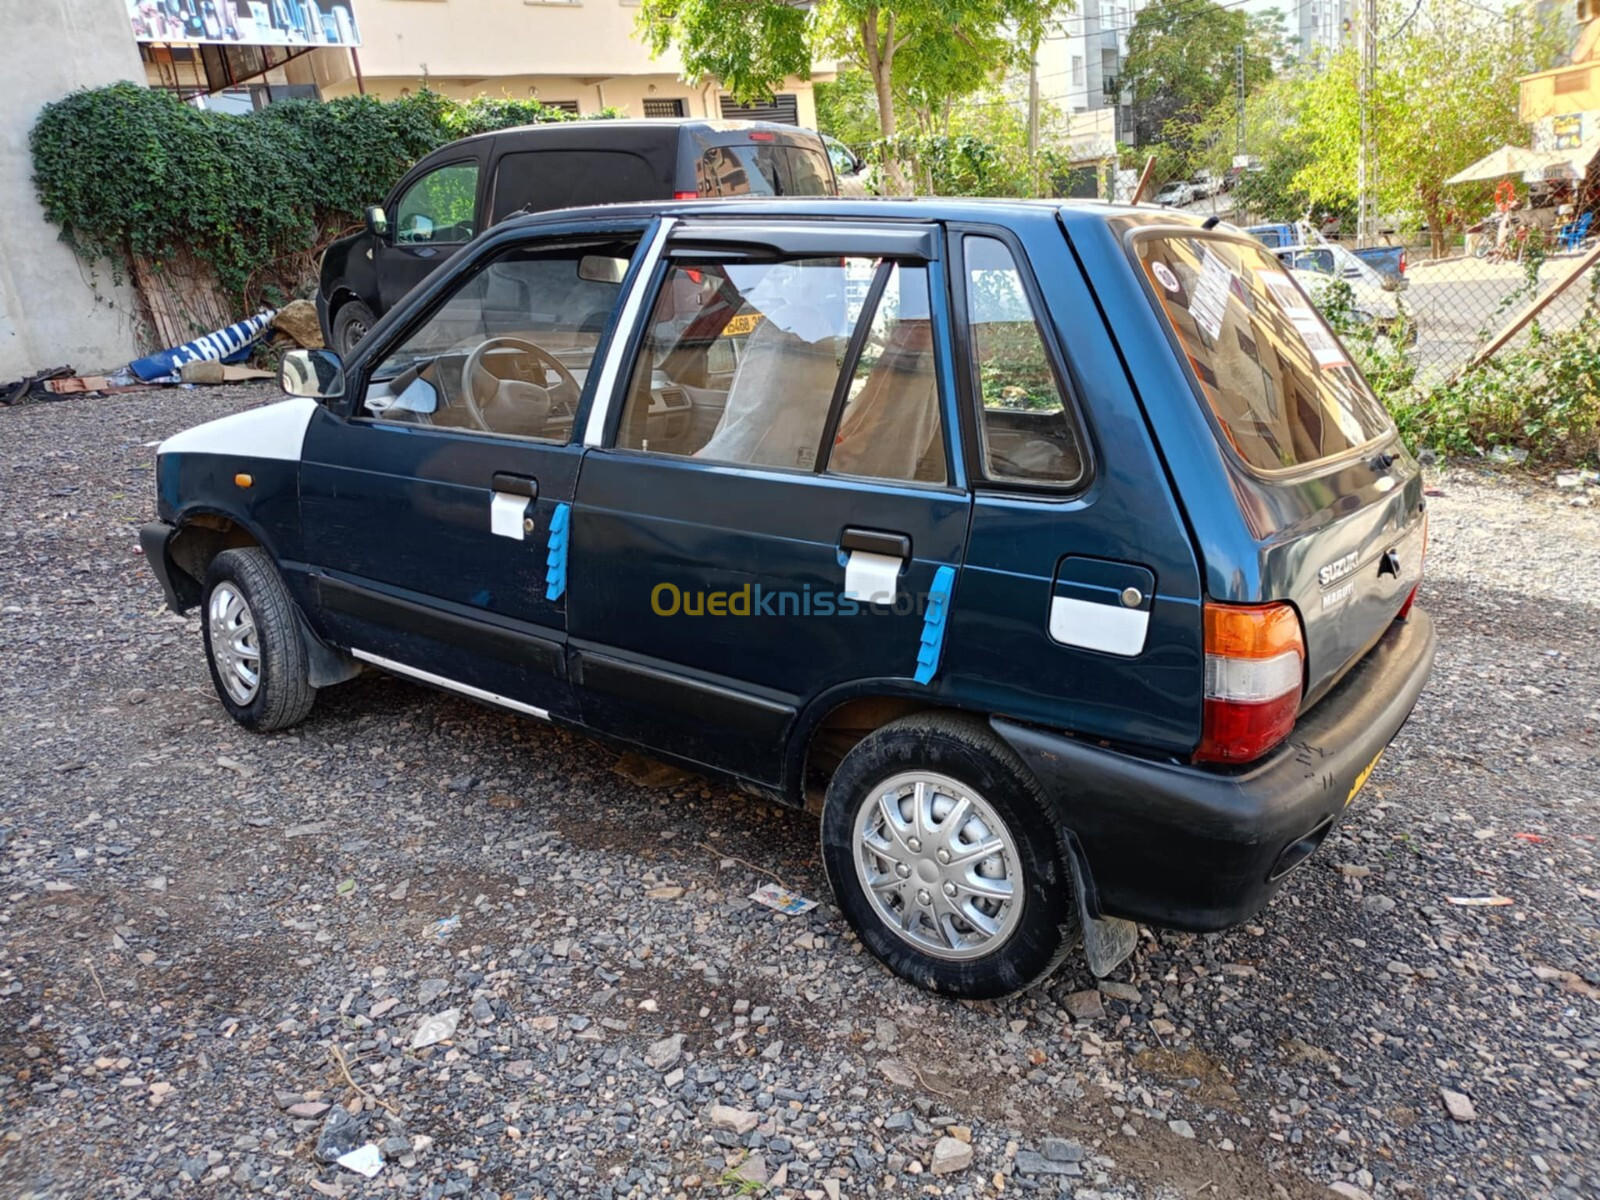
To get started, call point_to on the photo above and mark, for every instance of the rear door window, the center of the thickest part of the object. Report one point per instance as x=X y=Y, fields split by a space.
x=539 y=180
x=763 y=169
x=1281 y=388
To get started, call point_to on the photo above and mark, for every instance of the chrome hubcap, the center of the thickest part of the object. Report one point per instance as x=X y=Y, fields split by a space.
x=234 y=644
x=940 y=866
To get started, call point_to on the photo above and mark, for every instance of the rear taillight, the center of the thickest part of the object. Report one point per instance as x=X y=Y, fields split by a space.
x=760 y=135
x=1255 y=661
x=1402 y=262
x=686 y=195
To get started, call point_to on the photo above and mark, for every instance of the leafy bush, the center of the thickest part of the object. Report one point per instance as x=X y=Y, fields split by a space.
x=127 y=171
x=1542 y=397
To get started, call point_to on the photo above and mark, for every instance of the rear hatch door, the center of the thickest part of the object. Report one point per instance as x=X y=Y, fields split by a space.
x=1328 y=508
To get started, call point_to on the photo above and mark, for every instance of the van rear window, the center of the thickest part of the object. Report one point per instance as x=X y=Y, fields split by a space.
x=1282 y=388
x=750 y=169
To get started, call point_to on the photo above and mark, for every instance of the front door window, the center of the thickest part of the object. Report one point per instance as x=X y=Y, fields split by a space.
x=440 y=208
x=507 y=351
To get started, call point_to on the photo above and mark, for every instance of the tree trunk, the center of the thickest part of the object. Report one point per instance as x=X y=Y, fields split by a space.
x=880 y=62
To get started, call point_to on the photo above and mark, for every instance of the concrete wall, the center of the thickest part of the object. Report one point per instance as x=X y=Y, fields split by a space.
x=50 y=313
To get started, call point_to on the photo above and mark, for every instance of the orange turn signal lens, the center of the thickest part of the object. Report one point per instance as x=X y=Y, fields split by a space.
x=243 y=480
x=1252 y=630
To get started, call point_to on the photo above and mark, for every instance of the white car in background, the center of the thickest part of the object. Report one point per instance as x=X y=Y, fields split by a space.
x=855 y=177
x=1317 y=268
x=1177 y=194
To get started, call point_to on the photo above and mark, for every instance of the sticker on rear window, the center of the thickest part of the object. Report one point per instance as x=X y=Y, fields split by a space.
x=1164 y=276
x=1209 y=304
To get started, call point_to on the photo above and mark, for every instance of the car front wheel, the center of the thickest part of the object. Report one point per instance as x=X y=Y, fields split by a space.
x=352 y=321
x=253 y=646
x=947 y=860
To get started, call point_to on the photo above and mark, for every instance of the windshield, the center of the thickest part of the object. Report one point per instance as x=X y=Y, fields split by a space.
x=1282 y=389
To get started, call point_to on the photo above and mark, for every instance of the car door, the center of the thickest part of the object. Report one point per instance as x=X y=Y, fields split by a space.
x=431 y=217
x=435 y=507
x=768 y=515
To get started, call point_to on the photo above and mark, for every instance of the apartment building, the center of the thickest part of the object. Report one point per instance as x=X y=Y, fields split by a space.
x=1081 y=61
x=580 y=55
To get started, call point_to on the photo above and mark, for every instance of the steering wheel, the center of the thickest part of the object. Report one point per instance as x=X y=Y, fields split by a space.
x=473 y=368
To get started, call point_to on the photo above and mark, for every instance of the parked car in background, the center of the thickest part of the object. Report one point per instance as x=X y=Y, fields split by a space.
x=1387 y=263
x=984 y=524
x=1206 y=183
x=1372 y=306
x=1177 y=194
x=464 y=188
x=855 y=176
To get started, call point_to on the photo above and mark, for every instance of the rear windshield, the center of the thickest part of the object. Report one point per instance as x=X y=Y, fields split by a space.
x=1282 y=389
x=764 y=169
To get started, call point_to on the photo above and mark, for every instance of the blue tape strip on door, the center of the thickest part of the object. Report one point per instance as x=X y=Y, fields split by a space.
x=555 y=562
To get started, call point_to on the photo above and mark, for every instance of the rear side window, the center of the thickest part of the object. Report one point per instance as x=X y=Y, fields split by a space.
x=1027 y=432
x=1283 y=391
x=539 y=180
x=763 y=169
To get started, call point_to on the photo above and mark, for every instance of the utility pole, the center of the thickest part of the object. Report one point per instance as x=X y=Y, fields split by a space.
x=1367 y=157
x=1033 y=115
x=1240 y=149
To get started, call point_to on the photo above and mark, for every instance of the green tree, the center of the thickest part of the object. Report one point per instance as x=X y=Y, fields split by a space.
x=1445 y=95
x=1183 y=61
x=924 y=49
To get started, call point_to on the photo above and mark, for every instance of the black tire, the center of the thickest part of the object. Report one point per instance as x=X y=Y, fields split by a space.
x=352 y=321
x=283 y=694
x=964 y=750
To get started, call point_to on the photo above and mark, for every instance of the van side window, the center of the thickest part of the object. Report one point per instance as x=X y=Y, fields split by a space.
x=1027 y=432
x=890 y=427
x=741 y=359
x=439 y=208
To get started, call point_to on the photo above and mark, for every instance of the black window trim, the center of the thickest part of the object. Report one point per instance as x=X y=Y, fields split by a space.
x=1301 y=471
x=478 y=198
x=682 y=246
x=971 y=398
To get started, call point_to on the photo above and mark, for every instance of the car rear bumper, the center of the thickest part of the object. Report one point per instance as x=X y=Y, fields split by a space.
x=1186 y=847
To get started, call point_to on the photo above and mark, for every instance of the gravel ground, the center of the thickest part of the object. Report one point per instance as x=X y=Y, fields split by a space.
x=209 y=937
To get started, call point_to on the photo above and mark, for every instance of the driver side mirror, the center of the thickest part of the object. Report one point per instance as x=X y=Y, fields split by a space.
x=377 y=221
x=317 y=374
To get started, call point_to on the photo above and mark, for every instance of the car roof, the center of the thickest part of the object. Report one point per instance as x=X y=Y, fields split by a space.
x=609 y=129
x=1072 y=213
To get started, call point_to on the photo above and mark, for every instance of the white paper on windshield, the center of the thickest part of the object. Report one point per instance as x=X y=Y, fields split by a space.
x=1209 y=303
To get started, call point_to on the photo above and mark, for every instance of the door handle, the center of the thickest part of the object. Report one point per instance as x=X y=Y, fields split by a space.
x=873 y=562
x=876 y=541
x=516 y=485
x=508 y=510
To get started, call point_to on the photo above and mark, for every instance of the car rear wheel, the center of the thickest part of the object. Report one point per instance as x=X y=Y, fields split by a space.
x=253 y=646
x=947 y=860
x=352 y=321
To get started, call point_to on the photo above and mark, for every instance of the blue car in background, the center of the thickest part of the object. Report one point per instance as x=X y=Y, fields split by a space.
x=1057 y=552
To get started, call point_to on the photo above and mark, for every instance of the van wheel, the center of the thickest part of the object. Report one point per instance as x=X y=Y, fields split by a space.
x=352 y=321
x=253 y=646
x=948 y=860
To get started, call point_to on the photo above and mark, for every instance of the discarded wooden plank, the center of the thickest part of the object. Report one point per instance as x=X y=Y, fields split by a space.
x=1144 y=178
x=1519 y=322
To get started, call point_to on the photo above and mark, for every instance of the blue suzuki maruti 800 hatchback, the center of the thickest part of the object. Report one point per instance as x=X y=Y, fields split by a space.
x=1059 y=552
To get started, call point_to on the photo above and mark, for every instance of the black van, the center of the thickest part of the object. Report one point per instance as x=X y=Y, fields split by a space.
x=471 y=184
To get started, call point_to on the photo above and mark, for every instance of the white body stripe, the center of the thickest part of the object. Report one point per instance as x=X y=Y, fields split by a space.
x=594 y=430
x=276 y=431
x=1109 y=628
x=466 y=689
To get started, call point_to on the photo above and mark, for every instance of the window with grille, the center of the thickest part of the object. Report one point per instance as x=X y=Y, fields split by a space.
x=664 y=108
x=570 y=106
